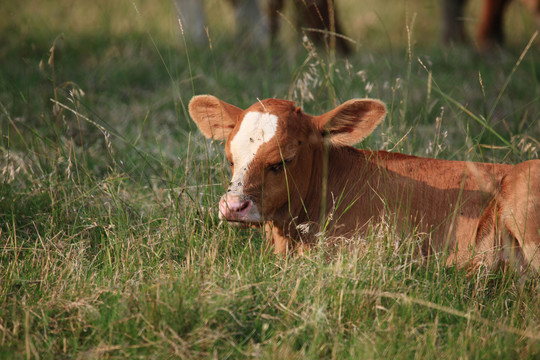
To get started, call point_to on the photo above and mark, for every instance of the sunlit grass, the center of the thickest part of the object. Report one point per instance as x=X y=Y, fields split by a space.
x=110 y=245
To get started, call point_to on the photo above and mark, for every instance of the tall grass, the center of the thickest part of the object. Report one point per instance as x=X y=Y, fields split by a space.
x=110 y=245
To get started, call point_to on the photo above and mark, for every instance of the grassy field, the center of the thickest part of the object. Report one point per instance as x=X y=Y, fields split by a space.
x=110 y=244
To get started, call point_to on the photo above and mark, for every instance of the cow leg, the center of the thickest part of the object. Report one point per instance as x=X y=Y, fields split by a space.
x=274 y=8
x=275 y=237
x=520 y=210
x=490 y=237
x=509 y=230
x=490 y=32
x=251 y=22
x=283 y=244
x=192 y=19
x=321 y=16
x=452 y=14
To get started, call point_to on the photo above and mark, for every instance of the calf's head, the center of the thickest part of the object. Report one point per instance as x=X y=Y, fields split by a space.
x=273 y=149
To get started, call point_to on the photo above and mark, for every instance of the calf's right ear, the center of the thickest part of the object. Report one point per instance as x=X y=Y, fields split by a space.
x=215 y=118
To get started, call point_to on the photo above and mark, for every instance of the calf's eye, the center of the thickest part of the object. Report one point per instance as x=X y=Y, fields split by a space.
x=275 y=168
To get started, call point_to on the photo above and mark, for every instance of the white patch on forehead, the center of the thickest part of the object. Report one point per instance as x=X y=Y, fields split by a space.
x=256 y=129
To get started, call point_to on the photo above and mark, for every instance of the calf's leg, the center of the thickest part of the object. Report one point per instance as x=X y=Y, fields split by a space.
x=275 y=238
x=520 y=210
x=509 y=229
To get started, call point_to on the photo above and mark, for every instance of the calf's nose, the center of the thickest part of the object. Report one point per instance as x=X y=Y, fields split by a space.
x=234 y=207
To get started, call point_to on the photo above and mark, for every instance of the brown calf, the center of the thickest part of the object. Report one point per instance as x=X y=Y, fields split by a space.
x=482 y=212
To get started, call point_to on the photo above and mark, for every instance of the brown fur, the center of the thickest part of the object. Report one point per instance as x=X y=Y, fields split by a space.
x=480 y=213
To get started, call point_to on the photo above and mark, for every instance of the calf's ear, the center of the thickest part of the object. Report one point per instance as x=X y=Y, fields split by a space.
x=215 y=118
x=352 y=121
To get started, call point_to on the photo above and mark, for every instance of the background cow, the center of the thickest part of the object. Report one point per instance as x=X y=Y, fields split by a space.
x=261 y=19
x=491 y=28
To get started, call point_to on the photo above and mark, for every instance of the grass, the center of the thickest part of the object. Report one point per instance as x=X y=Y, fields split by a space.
x=110 y=242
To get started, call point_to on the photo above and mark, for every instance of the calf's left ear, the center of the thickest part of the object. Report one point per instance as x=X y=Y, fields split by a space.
x=215 y=118
x=352 y=121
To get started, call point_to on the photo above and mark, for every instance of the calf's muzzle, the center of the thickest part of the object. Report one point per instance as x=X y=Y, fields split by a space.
x=236 y=208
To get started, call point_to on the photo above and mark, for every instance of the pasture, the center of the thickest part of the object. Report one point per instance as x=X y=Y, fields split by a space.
x=110 y=242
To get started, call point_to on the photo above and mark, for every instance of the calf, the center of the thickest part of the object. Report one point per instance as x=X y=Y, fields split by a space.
x=299 y=176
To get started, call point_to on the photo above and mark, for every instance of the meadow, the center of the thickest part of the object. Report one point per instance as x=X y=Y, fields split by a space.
x=110 y=243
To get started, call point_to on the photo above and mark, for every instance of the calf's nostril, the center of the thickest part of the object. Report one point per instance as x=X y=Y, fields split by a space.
x=243 y=206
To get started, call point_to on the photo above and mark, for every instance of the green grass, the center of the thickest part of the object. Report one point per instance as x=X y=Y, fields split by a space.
x=110 y=245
